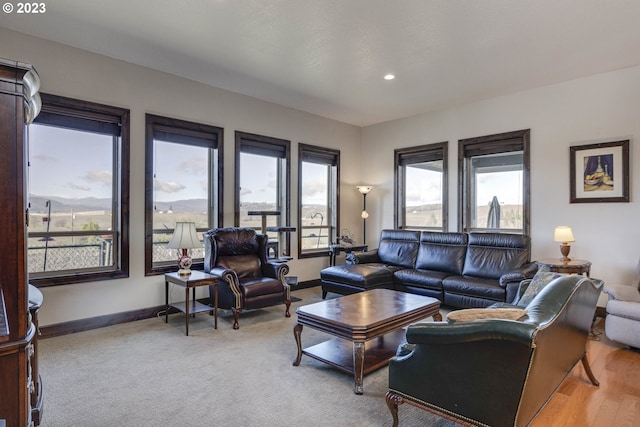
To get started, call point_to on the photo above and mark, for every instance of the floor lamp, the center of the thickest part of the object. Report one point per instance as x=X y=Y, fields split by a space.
x=364 y=190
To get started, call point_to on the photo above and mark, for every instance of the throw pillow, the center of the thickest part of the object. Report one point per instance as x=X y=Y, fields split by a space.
x=470 y=314
x=539 y=281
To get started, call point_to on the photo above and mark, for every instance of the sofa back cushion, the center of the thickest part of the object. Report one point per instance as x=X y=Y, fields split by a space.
x=491 y=255
x=442 y=251
x=399 y=247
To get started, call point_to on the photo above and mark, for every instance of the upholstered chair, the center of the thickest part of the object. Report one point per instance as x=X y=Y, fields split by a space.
x=247 y=279
x=623 y=312
x=494 y=370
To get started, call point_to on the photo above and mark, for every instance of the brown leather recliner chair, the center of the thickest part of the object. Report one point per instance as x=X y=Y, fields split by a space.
x=247 y=279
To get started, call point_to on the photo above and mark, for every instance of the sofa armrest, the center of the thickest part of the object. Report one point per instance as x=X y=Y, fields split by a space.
x=526 y=271
x=362 y=257
x=622 y=293
x=465 y=332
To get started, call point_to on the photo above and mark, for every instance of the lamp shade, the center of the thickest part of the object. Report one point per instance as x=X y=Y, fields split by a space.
x=184 y=237
x=364 y=189
x=563 y=234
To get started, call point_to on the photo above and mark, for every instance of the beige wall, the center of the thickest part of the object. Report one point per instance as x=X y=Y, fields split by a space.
x=604 y=107
x=78 y=74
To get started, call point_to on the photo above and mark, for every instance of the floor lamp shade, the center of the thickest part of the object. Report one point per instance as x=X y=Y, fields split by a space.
x=184 y=238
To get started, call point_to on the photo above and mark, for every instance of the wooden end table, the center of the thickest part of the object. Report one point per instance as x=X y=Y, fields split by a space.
x=335 y=250
x=356 y=320
x=575 y=266
x=192 y=281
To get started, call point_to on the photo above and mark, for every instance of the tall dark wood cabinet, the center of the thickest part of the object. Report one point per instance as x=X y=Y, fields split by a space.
x=20 y=388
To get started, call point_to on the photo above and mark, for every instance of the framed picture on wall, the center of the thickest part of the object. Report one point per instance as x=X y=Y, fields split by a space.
x=600 y=172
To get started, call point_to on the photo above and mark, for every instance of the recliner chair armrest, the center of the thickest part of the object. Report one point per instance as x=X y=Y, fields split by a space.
x=622 y=293
x=464 y=332
x=275 y=269
x=225 y=274
x=526 y=271
x=362 y=257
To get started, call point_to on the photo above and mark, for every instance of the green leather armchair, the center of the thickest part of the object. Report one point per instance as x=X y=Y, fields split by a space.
x=497 y=372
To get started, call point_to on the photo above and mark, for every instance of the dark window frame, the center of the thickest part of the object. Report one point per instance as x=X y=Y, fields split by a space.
x=419 y=154
x=90 y=116
x=494 y=144
x=264 y=145
x=325 y=156
x=179 y=132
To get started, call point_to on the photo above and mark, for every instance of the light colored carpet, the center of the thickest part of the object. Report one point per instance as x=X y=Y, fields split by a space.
x=148 y=373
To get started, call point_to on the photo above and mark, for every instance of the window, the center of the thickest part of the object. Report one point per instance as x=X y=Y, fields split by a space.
x=183 y=184
x=494 y=182
x=262 y=186
x=78 y=192
x=421 y=187
x=318 y=176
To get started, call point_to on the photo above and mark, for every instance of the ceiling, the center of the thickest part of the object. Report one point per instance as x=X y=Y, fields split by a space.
x=328 y=57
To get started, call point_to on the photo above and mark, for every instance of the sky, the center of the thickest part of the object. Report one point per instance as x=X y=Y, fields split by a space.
x=181 y=172
x=425 y=187
x=55 y=171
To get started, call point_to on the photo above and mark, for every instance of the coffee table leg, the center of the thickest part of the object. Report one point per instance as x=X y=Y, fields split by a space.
x=358 y=366
x=297 y=330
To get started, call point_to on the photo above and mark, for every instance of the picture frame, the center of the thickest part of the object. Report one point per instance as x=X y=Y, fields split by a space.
x=599 y=173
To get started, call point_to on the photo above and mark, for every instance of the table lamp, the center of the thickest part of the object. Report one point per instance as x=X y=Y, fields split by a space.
x=184 y=238
x=564 y=235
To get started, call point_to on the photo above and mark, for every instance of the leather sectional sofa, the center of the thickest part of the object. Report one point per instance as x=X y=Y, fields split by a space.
x=464 y=270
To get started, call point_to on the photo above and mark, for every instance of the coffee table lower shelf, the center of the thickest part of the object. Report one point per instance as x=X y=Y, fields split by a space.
x=338 y=352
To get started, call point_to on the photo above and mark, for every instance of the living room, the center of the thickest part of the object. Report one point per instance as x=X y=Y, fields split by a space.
x=596 y=107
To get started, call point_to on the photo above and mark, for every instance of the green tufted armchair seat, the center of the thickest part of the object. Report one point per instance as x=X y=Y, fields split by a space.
x=497 y=372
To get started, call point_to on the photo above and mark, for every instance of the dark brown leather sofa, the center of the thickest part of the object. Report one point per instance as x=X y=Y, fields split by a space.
x=248 y=280
x=460 y=269
x=497 y=372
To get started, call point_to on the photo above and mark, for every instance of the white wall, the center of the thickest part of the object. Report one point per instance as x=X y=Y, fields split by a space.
x=78 y=74
x=604 y=107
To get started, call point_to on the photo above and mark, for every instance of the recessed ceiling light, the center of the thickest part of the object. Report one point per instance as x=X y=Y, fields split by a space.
x=389 y=76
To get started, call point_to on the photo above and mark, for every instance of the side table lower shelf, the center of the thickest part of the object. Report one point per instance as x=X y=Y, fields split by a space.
x=195 y=307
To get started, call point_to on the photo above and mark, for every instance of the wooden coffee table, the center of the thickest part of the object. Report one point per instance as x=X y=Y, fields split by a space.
x=360 y=318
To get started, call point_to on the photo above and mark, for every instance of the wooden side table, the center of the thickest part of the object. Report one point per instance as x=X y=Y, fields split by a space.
x=575 y=266
x=192 y=281
x=335 y=250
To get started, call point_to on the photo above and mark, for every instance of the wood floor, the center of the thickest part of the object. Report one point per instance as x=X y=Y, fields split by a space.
x=615 y=403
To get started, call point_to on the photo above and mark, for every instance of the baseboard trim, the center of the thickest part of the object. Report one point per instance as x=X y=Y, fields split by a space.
x=307 y=284
x=82 y=325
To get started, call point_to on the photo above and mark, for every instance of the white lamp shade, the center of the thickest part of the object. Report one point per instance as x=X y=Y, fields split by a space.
x=184 y=237
x=364 y=189
x=563 y=234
